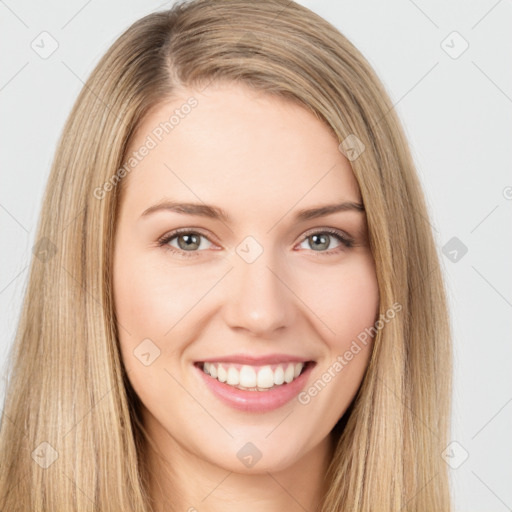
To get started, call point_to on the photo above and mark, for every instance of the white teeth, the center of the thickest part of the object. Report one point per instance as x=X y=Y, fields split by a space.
x=247 y=376
x=288 y=373
x=233 y=377
x=222 y=375
x=260 y=378
x=278 y=376
x=265 y=377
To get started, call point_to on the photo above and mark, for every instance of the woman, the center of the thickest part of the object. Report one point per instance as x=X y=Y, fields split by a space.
x=239 y=304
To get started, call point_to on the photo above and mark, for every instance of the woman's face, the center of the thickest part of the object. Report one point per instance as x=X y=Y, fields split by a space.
x=252 y=284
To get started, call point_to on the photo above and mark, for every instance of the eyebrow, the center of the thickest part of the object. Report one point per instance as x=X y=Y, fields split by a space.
x=217 y=213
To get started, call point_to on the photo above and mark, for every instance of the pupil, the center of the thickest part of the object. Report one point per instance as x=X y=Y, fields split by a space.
x=190 y=240
x=322 y=245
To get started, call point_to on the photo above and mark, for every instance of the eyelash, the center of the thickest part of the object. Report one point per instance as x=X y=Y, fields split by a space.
x=164 y=241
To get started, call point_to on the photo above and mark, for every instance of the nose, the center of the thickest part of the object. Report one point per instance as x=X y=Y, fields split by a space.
x=257 y=298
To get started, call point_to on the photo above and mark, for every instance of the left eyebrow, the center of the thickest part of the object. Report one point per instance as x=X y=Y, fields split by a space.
x=313 y=213
x=202 y=210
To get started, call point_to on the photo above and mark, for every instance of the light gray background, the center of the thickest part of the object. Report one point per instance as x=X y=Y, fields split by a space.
x=456 y=111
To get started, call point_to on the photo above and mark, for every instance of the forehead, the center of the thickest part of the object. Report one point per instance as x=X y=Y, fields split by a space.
x=238 y=147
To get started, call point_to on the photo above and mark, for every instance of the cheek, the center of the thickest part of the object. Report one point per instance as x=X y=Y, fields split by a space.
x=158 y=302
x=147 y=305
x=346 y=300
x=136 y=299
x=150 y=299
x=142 y=312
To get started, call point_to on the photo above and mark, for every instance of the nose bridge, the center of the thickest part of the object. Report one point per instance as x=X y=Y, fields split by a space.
x=257 y=300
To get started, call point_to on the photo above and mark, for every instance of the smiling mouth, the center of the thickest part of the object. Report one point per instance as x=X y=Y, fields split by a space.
x=254 y=378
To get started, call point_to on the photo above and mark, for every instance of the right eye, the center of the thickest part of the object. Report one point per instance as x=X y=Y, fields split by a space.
x=184 y=242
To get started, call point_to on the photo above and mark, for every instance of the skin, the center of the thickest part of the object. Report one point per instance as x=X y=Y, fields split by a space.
x=261 y=159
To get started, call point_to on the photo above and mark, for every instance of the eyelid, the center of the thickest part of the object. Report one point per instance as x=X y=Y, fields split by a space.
x=175 y=232
x=331 y=231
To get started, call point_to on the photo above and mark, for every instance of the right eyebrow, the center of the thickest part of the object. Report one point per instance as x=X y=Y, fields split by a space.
x=203 y=210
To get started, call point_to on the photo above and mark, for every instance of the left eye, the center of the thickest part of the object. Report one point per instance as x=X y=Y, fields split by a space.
x=321 y=240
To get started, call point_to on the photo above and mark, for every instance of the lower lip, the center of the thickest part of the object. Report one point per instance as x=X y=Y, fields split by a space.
x=257 y=401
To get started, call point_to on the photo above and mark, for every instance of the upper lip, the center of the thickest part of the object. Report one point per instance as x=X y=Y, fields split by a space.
x=256 y=360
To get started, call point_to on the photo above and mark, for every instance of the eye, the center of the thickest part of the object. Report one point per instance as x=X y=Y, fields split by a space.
x=184 y=242
x=318 y=241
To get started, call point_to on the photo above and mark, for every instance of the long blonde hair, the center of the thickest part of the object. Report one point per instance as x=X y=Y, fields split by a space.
x=71 y=437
